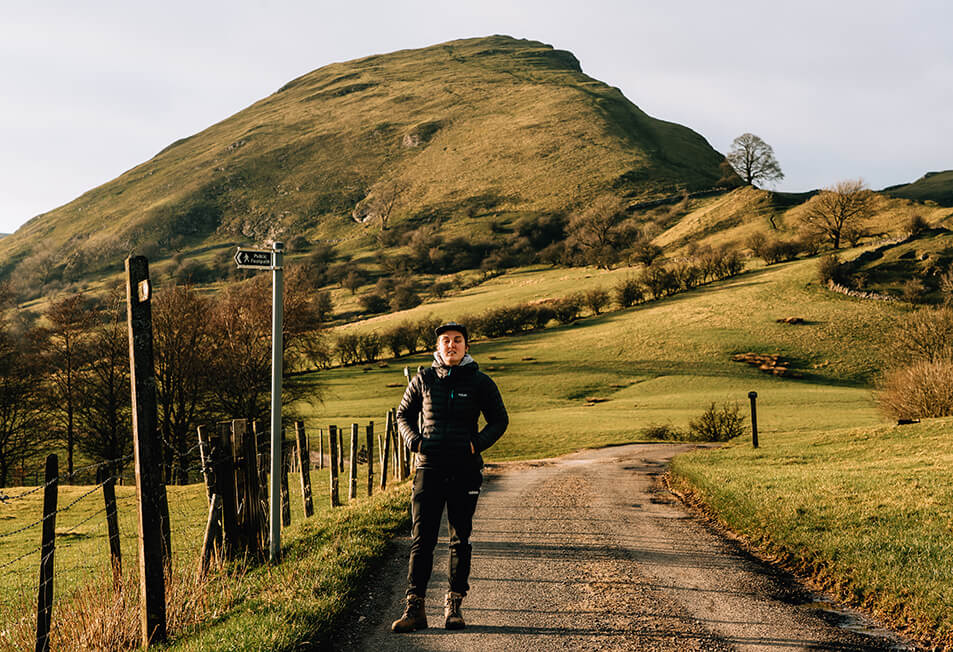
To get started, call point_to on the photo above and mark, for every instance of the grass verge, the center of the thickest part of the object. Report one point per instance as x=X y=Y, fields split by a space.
x=866 y=512
x=296 y=603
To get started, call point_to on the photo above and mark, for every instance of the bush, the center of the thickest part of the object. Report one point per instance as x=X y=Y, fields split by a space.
x=425 y=337
x=404 y=297
x=917 y=225
x=921 y=390
x=731 y=263
x=440 y=289
x=348 y=348
x=829 y=268
x=596 y=299
x=369 y=347
x=717 y=423
x=687 y=275
x=542 y=314
x=661 y=432
x=399 y=339
x=566 y=309
x=373 y=303
x=353 y=280
x=946 y=287
x=779 y=251
x=659 y=280
x=925 y=335
x=913 y=290
x=629 y=292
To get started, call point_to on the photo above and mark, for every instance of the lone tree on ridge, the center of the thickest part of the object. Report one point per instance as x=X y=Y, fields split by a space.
x=839 y=210
x=753 y=160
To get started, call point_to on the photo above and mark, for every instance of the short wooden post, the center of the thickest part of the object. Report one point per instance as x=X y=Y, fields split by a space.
x=261 y=455
x=149 y=488
x=205 y=458
x=44 y=604
x=285 y=490
x=112 y=523
x=385 y=451
x=320 y=448
x=352 y=488
x=333 y=446
x=251 y=518
x=341 y=450
x=754 y=418
x=223 y=484
x=211 y=527
x=304 y=461
x=370 y=458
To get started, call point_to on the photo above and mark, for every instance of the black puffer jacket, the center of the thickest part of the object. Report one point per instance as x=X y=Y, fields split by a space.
x=451 y=400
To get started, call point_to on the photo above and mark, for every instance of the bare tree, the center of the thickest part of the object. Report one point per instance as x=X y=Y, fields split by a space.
x=66 y=353
x=22 y=418
x=381 y=201
x=753 y=160
x=838 y=211
x=600 y=232
x=183 y=346
x=240 y=364
x=104 y=416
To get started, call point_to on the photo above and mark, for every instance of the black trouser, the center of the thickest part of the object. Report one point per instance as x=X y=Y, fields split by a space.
x=434 y=488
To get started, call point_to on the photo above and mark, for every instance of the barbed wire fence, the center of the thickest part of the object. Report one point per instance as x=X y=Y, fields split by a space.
x=77 y=555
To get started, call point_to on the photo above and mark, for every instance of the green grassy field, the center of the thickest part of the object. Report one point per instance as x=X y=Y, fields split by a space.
x=867 y=512
x=82 y=553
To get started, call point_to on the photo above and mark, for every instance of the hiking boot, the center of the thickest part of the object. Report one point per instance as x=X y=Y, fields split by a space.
x=415 y=617
x=451 y=613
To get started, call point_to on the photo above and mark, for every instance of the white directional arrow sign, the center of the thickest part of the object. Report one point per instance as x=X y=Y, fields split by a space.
x=254 y=258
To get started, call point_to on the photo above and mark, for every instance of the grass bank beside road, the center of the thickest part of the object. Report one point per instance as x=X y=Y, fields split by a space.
x=867 y=512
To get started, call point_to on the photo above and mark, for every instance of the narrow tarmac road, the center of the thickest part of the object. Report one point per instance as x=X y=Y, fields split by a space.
x=586 y=552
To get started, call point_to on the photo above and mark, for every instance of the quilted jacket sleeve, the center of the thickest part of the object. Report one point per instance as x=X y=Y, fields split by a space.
x=408 y=413
x=491 y=405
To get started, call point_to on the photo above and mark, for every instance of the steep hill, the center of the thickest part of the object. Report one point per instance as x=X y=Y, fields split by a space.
x=488 y=127
x=933 y=186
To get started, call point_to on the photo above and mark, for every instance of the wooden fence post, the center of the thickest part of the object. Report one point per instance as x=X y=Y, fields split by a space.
x=211 y=527
x=205 y=460
x=352 y=466
x=370 y=458
x=320 y=448
x=44 y=603
x=341 y=450
x=333 y=446
x=385 y=451
x=261 y=457
x=149 y=488
x=223 y=484
x=105 y=477
x=754 y=418
x=304 y=461
x=286 y=455
x=251 y=519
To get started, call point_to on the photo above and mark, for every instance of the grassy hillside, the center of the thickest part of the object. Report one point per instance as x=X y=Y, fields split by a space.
x=473 y=130
x=735 y=215
x=662 y=362
x=933 y=186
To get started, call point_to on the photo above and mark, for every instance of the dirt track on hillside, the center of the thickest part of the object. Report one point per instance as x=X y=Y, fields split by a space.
x=588 y=552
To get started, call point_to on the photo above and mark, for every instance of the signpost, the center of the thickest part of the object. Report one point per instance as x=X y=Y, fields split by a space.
x=271 y=259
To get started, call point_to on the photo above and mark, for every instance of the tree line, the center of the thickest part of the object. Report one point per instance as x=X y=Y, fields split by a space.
x=64 y=376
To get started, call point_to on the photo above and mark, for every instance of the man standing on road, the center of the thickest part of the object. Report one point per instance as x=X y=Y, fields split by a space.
x=448 y=399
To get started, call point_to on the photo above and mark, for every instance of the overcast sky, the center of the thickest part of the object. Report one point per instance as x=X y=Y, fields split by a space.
x=840 y=89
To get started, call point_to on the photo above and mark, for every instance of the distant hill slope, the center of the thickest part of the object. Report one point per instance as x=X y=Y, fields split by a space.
x=933 y=186
x=495 y=126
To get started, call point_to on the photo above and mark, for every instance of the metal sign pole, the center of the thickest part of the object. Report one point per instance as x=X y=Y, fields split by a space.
x=277 y=317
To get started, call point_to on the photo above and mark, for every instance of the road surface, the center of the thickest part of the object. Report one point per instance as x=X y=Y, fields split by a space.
x=589 y=552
